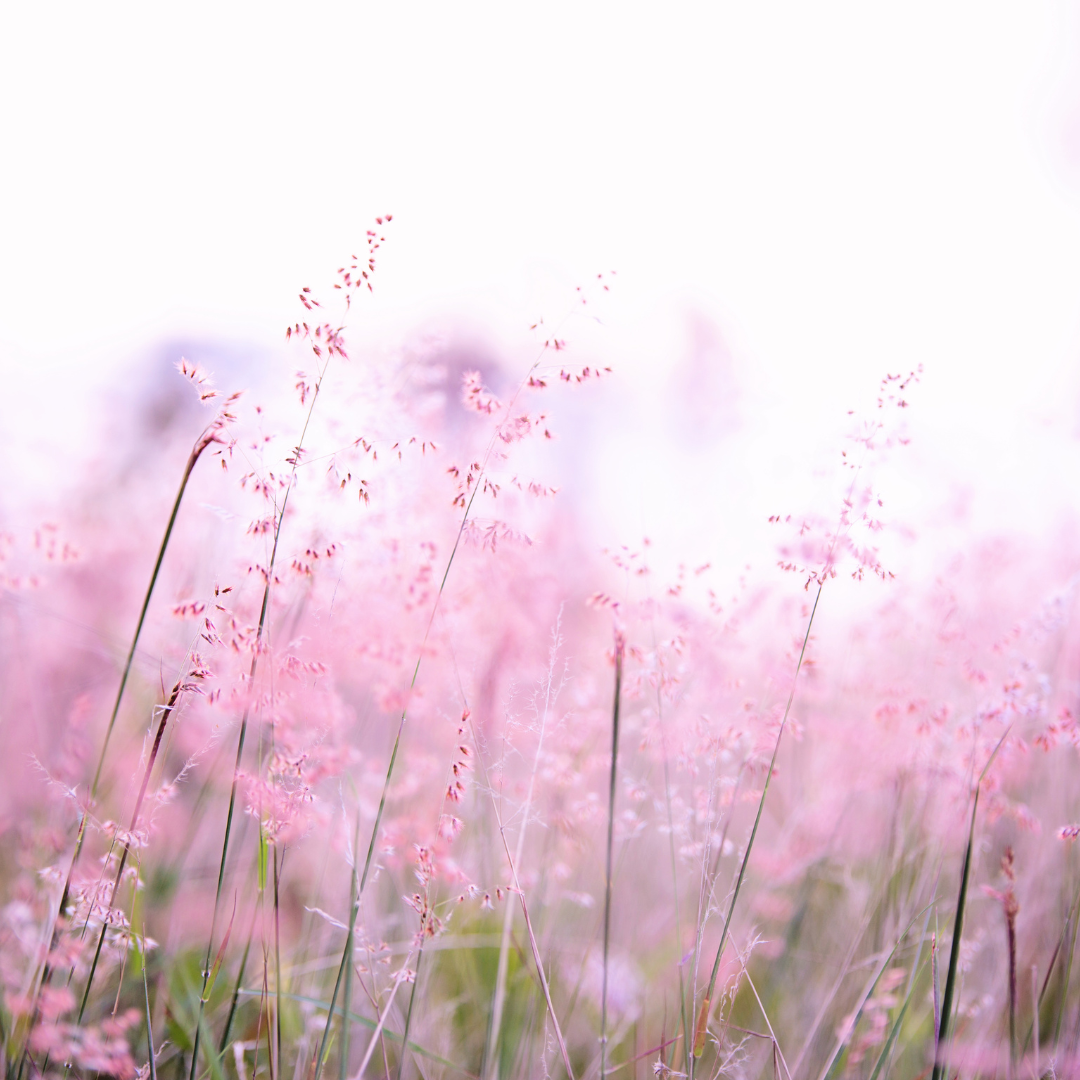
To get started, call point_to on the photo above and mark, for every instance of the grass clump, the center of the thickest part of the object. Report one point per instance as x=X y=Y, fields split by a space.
x=404 y=809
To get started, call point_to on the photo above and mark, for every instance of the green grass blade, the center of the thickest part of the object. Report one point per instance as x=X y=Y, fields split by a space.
x=223 y=1045
x=363 y=1021
x=841 y=1043
x=886 y=1050
x=610 y=847
x=958 y=929
x=703 y=1018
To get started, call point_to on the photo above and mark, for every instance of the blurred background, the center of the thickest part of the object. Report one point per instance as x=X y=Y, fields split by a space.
x=797 y=200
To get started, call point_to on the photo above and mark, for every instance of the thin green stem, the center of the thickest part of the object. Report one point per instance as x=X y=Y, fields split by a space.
x=703 y=1019
x=478 y=484
x=166 y=712
x=674 y=875
x=259 y=639
x=204 y=440
x=223 y=1044
x=409 y=1012
x=201 y=444
x=490 y=1068
x=277 y=954
x=941 y=1042
x=610 y=846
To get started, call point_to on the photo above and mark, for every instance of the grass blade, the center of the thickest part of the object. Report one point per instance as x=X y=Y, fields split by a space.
x=619 y=646
x=940 y=1045
x=842 y=1042
x=886 y=1050
x=371 y=1025
x=703 y=1016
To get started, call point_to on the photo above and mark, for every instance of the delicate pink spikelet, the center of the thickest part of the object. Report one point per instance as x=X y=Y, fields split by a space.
x=475 y=396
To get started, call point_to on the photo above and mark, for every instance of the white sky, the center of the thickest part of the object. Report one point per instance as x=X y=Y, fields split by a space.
x=832 y=190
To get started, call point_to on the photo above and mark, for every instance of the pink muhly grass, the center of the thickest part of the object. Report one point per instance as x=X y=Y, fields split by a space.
x=510 y=429
x=210 y=435
x=328 y=338
x=366 y=667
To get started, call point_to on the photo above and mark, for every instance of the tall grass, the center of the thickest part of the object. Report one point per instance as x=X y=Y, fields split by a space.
x=439 y=845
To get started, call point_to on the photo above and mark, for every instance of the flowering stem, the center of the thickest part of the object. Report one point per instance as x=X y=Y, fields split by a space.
x=259 y=636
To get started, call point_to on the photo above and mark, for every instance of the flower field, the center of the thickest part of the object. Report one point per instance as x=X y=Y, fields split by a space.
x=334 y=746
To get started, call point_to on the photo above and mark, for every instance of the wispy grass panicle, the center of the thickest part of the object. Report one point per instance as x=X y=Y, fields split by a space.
x=325 y=341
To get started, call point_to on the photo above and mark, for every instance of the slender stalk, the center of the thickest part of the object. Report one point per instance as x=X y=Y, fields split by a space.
x=477 y=486
x=204 y=440
x=883 y=1061
x=1035 y=1020
x=1070 y=921
x=223 y=1044
x=356 y=891
x=151 y=1058
x=524 y=909
x=259 y=638
x=343 y=968
x=671 y=850
x=706 y=890
x=382 y=1020
x=841 y=1043
x=886 y=1050
x=166 y=712
x=703 y=1018
x=610 y=846
x=768 y=1023
x=1010 y=923
x=277 y=954
x=409 y=1012
x=941 y=1043
x=208 y=436
x=491 y=1061
x=1068 y=968
x=232 y=794
x=367 y=1022
x=537 y=961
x=354 y=901
x=149 y=1026
x=935 y=979
x=856 y=936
